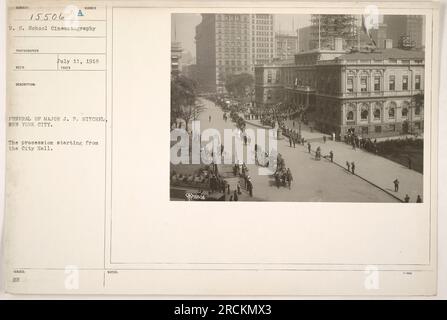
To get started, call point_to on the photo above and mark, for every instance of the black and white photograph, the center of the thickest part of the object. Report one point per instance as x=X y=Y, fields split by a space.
x=299 y=108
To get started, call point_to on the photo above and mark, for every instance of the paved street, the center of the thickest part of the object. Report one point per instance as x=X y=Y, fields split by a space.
x=315 y=180
x=376 y=169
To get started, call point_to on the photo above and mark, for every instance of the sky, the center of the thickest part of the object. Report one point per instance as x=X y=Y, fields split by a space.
x=183 y=27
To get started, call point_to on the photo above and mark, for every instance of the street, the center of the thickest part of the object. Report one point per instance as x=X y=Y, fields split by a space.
x=313 y=180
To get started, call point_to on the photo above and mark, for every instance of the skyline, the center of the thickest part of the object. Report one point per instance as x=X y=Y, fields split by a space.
x=183 y=27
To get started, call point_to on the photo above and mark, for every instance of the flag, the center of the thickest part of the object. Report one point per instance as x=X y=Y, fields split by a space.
x=367 y=31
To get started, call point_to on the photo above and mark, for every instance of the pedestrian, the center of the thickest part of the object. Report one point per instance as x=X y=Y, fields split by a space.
x=353 y=167
x=409 y=163
x=228 y=188
x=235 y=197
x=238 y=187
x=419 y=199
x=290 y=141
x=294 y=142
x=407 y=198
x=308 y=147
x=289 y=177
x=348 y=165
x=331 y=155
x=250 y=188
x=231 y=198
x=353 y=145
x=396 y=185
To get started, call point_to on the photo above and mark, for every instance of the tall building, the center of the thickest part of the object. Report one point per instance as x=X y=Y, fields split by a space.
x=411 y=26
x=262 y=38
x=206 y=45
x=231 y=44
x=305 y=38
x=286 y=45
x=176 y=55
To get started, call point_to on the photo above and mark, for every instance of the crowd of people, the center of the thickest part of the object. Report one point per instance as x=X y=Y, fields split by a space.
x=359 y=142
x=241 y=171
x=283 y=175
x=238 y=120
x=205 y=178
x=293 y=136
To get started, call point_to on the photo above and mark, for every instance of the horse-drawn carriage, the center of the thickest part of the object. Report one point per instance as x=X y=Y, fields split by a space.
x=282 y=175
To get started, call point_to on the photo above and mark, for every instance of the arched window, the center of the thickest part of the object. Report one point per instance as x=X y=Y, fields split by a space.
x=391 y=112
x=405 y=109
x=404 y=112
x=376 y=114
x=350 y=112
x=350 y=116
x=364 y=114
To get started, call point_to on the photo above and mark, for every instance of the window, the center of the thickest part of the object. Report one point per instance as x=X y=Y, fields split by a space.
x=363 y=84
x=350 y=116
x=417 y=82
x=365 y=130
x=376 y=83
x=404 y=112
x=377 y=114
x=392 y=127
x=405 y=83
x=378 y=129
x=364 y=114
x=269 y=77
x=391 y=113
x=350 y=84
x=417 y=110
x=392 y=84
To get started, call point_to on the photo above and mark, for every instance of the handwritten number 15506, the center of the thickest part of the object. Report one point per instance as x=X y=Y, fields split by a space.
x=47 y=16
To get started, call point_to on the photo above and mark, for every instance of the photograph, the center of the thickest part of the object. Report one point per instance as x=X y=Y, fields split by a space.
x=301 y=108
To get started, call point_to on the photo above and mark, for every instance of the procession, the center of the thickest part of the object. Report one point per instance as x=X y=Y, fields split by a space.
x=298 y=130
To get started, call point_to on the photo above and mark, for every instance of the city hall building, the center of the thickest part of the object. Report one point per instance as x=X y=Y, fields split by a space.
x=371 y=93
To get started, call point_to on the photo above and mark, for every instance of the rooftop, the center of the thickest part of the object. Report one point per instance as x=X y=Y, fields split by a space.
x=383 y=54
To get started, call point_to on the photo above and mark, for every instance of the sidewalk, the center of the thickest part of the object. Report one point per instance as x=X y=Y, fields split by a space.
x=375 y=169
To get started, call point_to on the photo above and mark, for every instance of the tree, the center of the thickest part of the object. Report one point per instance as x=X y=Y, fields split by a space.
x=184 y=100
x=417 y=102
x=239 y=84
